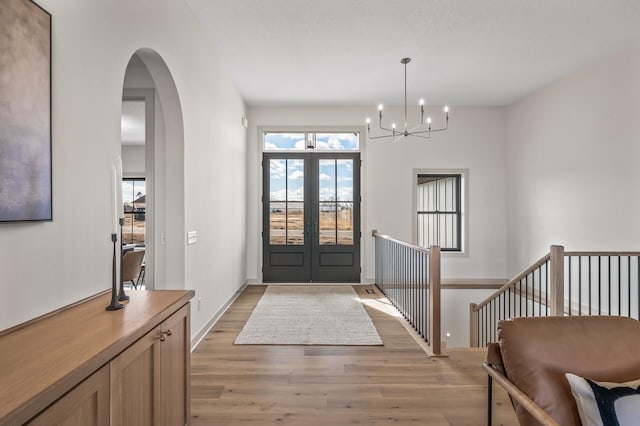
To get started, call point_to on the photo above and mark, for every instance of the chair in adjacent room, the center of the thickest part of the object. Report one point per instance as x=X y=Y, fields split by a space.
x=131 y=266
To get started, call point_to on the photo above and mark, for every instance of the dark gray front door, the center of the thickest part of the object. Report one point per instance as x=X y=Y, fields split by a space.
x=311 y=217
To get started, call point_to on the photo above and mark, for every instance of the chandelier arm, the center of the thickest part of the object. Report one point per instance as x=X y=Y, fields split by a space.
x=441 y=129
x=380 y=136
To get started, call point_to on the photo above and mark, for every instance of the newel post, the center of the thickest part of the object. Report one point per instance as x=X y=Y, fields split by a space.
x=473 y=326
x=434 y=300
x=556 y=286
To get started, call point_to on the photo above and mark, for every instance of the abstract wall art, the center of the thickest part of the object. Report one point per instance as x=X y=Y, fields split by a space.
x=25 y=112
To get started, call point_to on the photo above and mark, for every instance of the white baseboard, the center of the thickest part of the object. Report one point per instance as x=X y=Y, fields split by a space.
x=195 y=341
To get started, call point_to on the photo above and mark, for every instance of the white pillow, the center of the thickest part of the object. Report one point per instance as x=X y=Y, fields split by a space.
x=605 y=403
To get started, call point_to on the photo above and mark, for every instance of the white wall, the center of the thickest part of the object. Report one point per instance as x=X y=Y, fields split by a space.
x=133 y=160
x=474 y=141
x=44 y=266
x=573 y=150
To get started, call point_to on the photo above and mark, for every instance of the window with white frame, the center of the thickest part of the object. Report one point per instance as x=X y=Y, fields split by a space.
x=439 y=210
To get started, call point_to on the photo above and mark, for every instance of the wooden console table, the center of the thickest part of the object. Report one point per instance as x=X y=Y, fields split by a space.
x=87 y=366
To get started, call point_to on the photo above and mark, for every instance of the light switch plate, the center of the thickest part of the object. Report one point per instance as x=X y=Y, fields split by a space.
x=192 y=237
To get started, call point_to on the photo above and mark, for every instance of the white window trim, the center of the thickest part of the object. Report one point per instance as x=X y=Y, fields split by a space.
x=464 y=187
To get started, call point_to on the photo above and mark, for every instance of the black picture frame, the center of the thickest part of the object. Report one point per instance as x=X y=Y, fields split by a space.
x=26 y=166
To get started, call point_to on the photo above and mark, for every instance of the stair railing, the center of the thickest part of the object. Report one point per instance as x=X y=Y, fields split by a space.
x=536 y=291
x=562 y=283
x=409 y=276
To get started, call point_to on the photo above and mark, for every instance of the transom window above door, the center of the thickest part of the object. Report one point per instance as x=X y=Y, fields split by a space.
x=309 y=141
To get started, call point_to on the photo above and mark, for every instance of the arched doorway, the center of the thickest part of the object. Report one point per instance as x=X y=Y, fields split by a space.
x=153 y=168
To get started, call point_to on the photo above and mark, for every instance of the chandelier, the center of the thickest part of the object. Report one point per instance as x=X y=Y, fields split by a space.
x=421 y=130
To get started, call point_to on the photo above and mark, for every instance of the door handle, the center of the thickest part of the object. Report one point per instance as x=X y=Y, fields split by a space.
x=316 y=231
x=307 y=229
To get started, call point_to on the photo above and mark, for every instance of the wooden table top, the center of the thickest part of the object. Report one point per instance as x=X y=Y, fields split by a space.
x=44 y=359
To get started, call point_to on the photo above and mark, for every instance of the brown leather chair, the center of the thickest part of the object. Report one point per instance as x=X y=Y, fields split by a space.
x=533 y=354
x=131 y=266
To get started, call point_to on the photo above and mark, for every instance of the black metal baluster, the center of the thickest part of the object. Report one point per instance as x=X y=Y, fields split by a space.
x=629 y=286
x=546 y=286
x=570 y=286
x=589 y=288
x=485 y=324
x=540 y=291
x=526 y=295
x=579 y=285
x=619 y=287
x=609 y=307
x=420 y=283
x=520 y=298
x=599 y=285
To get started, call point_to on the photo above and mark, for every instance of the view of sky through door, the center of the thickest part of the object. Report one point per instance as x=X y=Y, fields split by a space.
x=279 y=141
x=286 y=200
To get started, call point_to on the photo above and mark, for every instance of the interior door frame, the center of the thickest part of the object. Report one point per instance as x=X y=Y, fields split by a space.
x=148 y=96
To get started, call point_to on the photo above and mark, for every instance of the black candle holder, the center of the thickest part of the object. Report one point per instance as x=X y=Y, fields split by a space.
x=114 y=305
x=121 y=295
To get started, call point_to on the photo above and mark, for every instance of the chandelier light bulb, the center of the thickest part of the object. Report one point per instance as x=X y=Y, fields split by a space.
x=393 y=125
x=380 y=107
x=368 y=120
x=446 y=108
x=421 y=102
x=428 y=120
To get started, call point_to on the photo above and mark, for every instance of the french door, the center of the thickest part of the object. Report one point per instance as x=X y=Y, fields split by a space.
x=311 y=217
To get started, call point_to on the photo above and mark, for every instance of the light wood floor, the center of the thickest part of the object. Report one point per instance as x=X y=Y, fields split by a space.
x=336 y=385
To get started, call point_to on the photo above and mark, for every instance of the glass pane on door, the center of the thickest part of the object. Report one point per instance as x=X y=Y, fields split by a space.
x=327 y=180
x=345 y=223
x=286 y=202
x=295 y=223
x=344 y=181
x=335 y=183
x=327 y=223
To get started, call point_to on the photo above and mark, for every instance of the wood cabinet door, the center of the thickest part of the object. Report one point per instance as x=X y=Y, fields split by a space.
x=85 y=405
x=175 y=361
x=135 y=383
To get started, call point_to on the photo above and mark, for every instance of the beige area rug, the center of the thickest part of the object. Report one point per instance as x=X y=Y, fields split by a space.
x=309 y=315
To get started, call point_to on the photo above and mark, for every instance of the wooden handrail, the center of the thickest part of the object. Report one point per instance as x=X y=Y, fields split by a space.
x=513 y=281
x=601 y=253
x=375 y=233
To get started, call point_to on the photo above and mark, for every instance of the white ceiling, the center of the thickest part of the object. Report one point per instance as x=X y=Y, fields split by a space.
x=465 y=52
